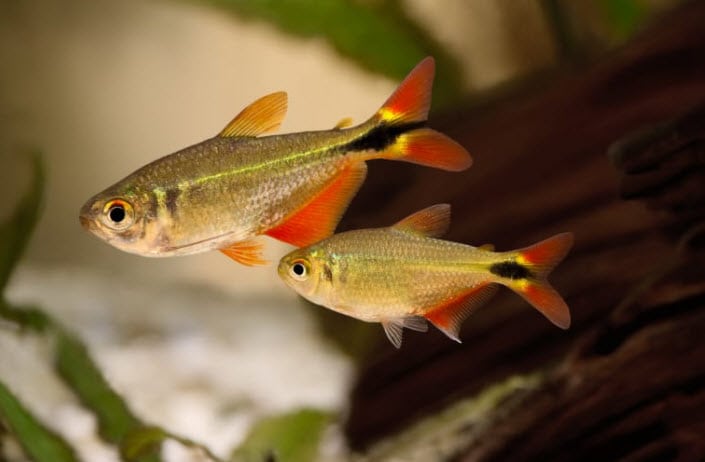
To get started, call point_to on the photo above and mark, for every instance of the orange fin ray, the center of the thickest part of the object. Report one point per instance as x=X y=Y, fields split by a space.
x=432 y=221
x=544 y=298
x=409 y=104
x=449 y=317
x=425 y=146
x=394 y=328
x=540 y=259
x=411 y=101
x=247 y=252
x=262 y=116
x=319 y=218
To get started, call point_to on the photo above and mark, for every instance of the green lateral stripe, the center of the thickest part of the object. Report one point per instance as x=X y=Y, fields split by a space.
x=267 y=164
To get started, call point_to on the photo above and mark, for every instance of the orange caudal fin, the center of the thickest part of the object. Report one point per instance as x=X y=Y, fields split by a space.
x=411 y=101
x=401 y=132
x=432 y=149
x=529 y=276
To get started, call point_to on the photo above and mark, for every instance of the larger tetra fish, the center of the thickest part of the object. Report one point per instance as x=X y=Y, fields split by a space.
x=402 y=275
x=224 y=191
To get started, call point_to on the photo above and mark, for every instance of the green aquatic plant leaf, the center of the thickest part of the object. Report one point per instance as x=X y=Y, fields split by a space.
x=16 y=231
x=379 y=35
x=624 y=17
x=71 y=358
x=144 y=441
x=78 y=370
x=25 y=317
x=141 y=442
x=292 y=437
x=39 y=443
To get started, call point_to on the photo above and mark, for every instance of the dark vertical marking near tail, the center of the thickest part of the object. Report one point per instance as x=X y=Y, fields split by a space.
x=381 y=136
x=510 y=270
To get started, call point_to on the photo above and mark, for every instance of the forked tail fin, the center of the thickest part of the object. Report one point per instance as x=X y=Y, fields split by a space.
x=400 y=131
x=529 y=278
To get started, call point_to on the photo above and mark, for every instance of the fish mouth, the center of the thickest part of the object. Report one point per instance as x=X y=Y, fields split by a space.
x=85 y=222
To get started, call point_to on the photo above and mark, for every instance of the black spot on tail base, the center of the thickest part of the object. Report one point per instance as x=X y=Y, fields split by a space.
x=382 y=136
x=510 y=270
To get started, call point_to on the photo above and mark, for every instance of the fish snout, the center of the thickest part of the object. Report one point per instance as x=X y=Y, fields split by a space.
x=282 y=269
x=85 y=222
x=87 y=216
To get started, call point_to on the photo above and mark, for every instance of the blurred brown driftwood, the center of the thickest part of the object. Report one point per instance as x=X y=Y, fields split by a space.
x=628 y=379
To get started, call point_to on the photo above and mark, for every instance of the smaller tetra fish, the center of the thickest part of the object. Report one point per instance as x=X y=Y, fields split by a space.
x=402 y=275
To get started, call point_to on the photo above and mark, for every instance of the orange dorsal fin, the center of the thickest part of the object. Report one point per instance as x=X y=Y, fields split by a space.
x=411 y=101
x=449 y=316
x=248 y=252
x=432 y=221
x=262 y=116
x=318 y=219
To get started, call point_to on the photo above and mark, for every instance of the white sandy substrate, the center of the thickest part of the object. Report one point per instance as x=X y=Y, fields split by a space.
x=200 y=361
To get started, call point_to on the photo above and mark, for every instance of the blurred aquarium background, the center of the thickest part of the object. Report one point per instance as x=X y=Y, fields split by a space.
x=199 y=347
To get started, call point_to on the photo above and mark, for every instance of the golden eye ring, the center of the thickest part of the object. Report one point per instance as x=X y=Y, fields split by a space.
x=118 y=214
x=299 y=269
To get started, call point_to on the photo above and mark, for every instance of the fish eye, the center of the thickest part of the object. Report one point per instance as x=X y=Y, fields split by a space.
x=299 y=270
x=118 y=214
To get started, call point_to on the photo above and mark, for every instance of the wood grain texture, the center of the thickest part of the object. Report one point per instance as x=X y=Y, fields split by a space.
x=627 y=380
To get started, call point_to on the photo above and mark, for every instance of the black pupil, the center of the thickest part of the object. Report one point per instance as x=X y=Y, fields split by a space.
x=117 y=213
x=299 y=269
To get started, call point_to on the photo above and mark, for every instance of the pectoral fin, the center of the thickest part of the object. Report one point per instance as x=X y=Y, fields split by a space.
x=248 y=252
x=449 y=316
x=394 y=328
x=318 y=219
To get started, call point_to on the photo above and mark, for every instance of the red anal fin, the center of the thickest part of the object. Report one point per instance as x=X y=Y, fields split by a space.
x=318 y=219
x=449 y=316
x=248 y=252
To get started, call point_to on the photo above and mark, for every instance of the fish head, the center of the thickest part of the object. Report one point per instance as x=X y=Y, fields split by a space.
x=306 y=270
x=120 y=218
